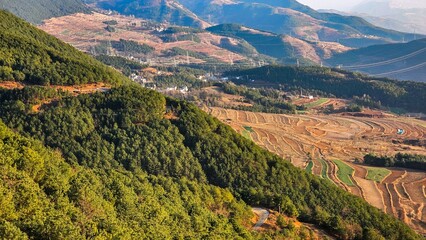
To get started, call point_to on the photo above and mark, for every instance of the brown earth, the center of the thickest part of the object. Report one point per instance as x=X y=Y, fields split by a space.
x=84 y=31
x=301 y=138
x=11 y=85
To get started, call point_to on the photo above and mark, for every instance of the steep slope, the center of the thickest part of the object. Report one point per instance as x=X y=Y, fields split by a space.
x=129 y=172
x=157 y=10
x=45 y=197
x=402 y=61
x=35 y=11
x=30 y=55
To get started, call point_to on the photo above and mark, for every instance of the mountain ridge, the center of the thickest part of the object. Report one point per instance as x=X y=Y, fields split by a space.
x=388 y=58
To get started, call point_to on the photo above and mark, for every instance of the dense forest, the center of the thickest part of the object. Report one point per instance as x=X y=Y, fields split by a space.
x=131 y=47
x=262 y=100
x=35 y=11
x=399 y=160
x=125 y=129
x=124 y=65
x=30 y=55
x=407 y=95
x=111 y=165
x=45 y=197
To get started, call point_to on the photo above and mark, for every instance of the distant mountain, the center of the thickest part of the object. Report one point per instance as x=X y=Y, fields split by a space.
x=157 y=10
x=35 y=11
x=408 y=16
x=293 y=18
x=405 y=61
x=280 y=17
x=285 y=48
x=395 y=22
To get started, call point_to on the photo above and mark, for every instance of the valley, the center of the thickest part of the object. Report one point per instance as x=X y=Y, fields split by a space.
x=317 y=142
x=210 y=119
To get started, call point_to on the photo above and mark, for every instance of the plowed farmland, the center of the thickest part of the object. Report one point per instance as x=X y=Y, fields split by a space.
x=318 y=142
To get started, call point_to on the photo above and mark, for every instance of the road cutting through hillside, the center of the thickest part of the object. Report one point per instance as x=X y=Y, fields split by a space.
x=263 y=215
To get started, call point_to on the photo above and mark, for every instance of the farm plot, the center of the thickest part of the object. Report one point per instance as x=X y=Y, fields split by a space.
x=344 y=172
x=377 y=174
x=313 y=142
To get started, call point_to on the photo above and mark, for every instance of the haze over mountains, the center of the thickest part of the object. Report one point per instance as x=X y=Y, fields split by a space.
x=408 y=16
x=400 y=60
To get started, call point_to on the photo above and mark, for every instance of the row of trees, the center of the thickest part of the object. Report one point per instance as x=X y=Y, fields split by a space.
x=399 y=160
x=263 y=100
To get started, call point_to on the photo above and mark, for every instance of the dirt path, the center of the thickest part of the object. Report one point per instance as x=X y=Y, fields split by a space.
x=263 y=215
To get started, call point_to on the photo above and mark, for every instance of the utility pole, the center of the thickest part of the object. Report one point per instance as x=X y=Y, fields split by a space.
x=321 y=64
x=298 y=63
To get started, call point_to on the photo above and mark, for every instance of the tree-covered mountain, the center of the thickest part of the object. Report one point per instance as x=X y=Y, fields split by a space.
x=400 y=60
x=35 y=11
x=114 y=165
x=407 y=95
x=43 y=196
x=30 y=55
x=157 y=10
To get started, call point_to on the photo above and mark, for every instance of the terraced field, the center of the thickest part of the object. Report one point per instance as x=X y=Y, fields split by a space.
x=314 y=142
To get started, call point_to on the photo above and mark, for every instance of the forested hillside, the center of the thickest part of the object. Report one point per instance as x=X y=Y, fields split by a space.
x=45 y=197
x=35 y=11
x=116 y=167
x=124 y=130
x=340 y=83
x=30 y=55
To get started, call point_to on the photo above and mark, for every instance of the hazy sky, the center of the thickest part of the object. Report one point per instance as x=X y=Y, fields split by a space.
x=348 y=4
x=331 y=4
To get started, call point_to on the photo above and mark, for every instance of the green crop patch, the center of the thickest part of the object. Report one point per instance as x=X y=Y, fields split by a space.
x=377 y=174
x=344 y=172
x=309 y=167
x=249 y=129
x=316 y=103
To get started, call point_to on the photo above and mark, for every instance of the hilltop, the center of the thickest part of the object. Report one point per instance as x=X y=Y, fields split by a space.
x=157 y=10
x=35 y=11
x=32 y=56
